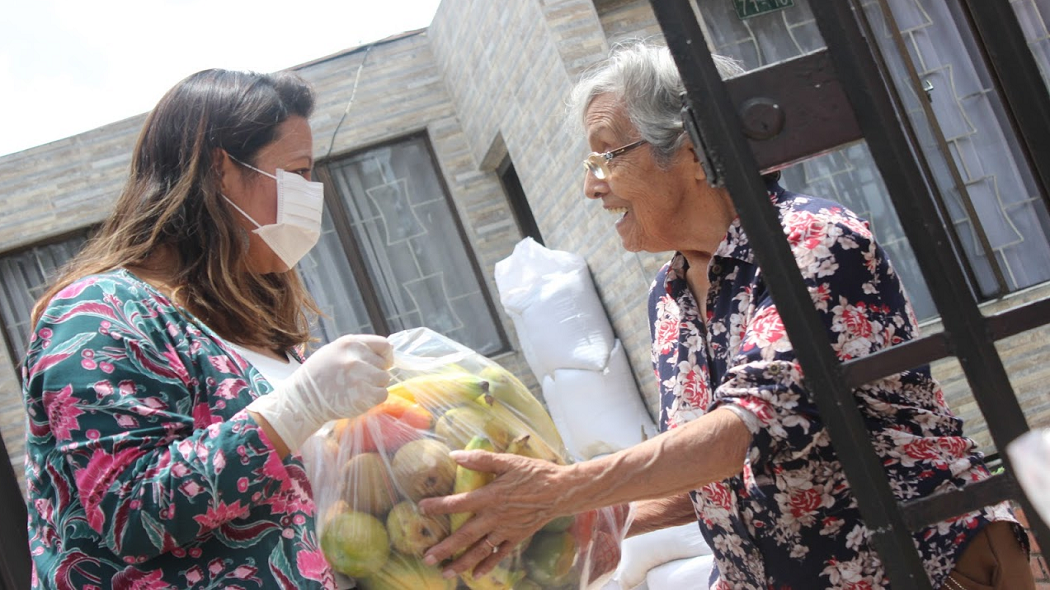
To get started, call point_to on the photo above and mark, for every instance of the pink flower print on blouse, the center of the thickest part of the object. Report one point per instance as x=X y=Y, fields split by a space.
x=312 y=565
x=62 y=412
x=245 y=572
x=133 y=579
x=94 y=479
x=194 y=575
x=219 y=515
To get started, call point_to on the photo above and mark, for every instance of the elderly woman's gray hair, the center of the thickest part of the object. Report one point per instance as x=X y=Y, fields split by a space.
x=644 y=77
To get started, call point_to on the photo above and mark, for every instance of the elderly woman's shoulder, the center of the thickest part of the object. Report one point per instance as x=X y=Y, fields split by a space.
x=807 y=216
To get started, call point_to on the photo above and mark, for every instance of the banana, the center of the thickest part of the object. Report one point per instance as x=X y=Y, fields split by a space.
x=505 y=387
x=462 y=423
x=440 y=392
x=528 y=445
x=500 y=578
x=525 y=441
x=468 y=480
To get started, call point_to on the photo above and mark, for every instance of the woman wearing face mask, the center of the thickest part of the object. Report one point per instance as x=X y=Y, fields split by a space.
x=165 y=385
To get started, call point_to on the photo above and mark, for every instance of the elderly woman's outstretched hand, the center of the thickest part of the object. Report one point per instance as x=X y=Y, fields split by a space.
x=525 y=495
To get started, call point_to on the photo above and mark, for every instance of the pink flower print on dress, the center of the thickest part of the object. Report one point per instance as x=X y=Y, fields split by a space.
x=94 y=479
x=133 y=579
x=225 y=364
x=194 y=575
x=75 y=289
x=175 y=364
x=190 y=488
x=218 y=461
x=231 y=388
x=62 y=412
x=218 y=515
x=215 y=567
x=312 y=565
x=245 y=572
x=202 y=415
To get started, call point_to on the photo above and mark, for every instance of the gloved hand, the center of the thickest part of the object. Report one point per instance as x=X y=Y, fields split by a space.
x=341 y=380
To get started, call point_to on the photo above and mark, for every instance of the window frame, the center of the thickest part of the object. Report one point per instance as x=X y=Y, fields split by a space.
x=87 y=232
x=352 y=247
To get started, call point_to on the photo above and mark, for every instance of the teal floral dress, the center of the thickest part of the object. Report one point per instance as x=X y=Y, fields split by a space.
x=143 y=469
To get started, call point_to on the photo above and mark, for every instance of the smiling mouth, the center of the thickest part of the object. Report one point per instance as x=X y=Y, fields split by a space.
x=617 y=210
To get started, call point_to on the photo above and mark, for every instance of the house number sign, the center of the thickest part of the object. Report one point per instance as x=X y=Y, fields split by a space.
x=750 y=8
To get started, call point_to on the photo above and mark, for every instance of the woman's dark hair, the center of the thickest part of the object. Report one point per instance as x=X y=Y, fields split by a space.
x=171 y=201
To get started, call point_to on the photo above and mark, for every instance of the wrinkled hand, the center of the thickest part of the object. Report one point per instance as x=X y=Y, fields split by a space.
x=341 y=380
x=524 y=496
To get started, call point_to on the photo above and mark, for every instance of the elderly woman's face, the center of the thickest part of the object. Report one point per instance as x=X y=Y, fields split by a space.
x=650 y=204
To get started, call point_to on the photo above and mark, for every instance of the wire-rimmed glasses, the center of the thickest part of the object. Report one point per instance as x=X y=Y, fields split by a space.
x=598 y=162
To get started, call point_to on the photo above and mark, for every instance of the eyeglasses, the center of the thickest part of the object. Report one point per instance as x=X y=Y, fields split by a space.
x=598 y=162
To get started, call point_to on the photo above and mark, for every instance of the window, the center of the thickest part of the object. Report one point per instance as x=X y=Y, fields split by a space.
x=508 y=178
x=393 y=254
x=23 y=277
x=987 y=193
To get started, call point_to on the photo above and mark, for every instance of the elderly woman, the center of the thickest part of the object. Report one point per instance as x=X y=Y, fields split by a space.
x=742 y=441
x=165 y=385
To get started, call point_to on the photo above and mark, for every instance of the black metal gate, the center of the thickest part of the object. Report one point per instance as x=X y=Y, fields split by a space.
x=787 y=112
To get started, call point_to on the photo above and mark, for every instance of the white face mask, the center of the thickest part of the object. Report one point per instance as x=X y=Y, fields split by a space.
x=300 y=204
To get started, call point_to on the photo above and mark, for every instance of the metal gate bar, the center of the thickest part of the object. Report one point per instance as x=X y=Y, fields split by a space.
x=938 y=346
x=967 y=335
x=730 y=155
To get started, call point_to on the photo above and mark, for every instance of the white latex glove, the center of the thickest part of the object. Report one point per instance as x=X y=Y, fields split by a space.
x=341 y=380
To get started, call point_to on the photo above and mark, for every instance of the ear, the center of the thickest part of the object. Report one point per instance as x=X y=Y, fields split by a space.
x=698 y=169
x=225 y=167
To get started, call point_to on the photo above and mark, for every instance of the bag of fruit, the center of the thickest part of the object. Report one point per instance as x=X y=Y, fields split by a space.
x=369 y=472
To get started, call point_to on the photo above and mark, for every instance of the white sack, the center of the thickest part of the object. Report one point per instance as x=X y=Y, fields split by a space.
x=683 y=573
x=598 y=412
x=555 y=308
x=647 y=551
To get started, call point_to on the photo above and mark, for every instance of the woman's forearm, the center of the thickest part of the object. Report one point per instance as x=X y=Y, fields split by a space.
x=710 y=448
x=653 y=515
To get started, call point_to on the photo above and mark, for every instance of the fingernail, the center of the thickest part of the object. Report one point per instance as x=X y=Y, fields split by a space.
x=448 y=574
x=430 y=560
x=457 y=454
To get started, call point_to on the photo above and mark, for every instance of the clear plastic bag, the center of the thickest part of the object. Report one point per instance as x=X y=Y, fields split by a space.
x=368 y=473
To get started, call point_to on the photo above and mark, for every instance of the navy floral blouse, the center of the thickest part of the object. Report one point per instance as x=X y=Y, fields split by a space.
x=789 y=521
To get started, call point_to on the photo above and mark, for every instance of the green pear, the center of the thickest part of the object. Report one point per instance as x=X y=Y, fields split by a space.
x=550 y=557
x=412 y=533
x=422 y=469
x=355 y=543
x=367 y=484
